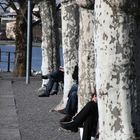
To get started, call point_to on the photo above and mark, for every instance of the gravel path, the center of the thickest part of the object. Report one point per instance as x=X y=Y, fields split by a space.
x=36 y=122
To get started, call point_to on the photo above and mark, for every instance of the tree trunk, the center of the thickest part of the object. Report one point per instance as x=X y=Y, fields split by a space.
x=70 y=31
x=50 y=45
x=114 y=43
x=136 y=97
x=88 y=4
x=20 y=57
x=86 y=54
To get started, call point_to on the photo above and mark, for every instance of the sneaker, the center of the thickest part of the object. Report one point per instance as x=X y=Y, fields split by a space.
x=69 y=126
x=67 y=118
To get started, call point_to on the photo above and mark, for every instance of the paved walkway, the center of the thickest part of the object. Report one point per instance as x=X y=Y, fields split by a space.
x=25 y=116
x=8 y=115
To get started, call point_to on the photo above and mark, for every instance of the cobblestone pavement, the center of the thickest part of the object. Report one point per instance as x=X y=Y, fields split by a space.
x=25 y=116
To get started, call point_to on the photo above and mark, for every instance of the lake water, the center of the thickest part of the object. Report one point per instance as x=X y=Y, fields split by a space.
x=36 y=57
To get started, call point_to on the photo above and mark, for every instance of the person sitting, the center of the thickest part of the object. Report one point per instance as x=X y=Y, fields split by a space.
x=52 y=86
x=72 y=104
x=87 y=117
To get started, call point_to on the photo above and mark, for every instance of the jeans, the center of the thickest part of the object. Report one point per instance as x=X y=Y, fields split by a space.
x=72 y=103
x=54 y=78
x=52 y=85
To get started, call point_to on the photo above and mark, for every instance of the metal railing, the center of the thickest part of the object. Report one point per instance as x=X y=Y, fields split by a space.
x=7 y=59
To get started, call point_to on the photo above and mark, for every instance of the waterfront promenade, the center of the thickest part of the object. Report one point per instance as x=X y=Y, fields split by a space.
x=25 y=116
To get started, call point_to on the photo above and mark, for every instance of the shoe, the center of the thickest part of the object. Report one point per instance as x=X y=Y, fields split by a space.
x=53 y=92
x=43 y=95
x=62 y=111
x=69 y=126
x=67 y=118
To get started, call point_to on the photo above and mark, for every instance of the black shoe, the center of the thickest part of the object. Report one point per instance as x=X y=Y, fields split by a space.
x=67 y=118
x=43 y=95
x=70 y=126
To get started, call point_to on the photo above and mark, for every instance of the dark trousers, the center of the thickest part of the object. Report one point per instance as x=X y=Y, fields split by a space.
x=88 y=117
x=72 y=103
x=54 y=78
x=52 y=85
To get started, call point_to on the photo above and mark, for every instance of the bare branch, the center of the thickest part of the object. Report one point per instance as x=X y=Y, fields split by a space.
x=12 y=5
x=3 y=5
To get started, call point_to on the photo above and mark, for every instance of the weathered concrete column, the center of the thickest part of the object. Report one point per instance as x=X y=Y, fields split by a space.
x=115 y=80
x=70 y=32
x=50 y=44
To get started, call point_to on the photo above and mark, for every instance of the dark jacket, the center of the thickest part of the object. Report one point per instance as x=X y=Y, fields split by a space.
x=75 y=73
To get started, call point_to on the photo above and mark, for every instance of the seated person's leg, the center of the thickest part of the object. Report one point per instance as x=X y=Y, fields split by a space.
x=84 y=113
x=90 y=109
x=48 y=88
x=54 y=89
x=72 y=103
x=68 y=116
x=71 y=107
x=73 y=88
x=89 y=129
